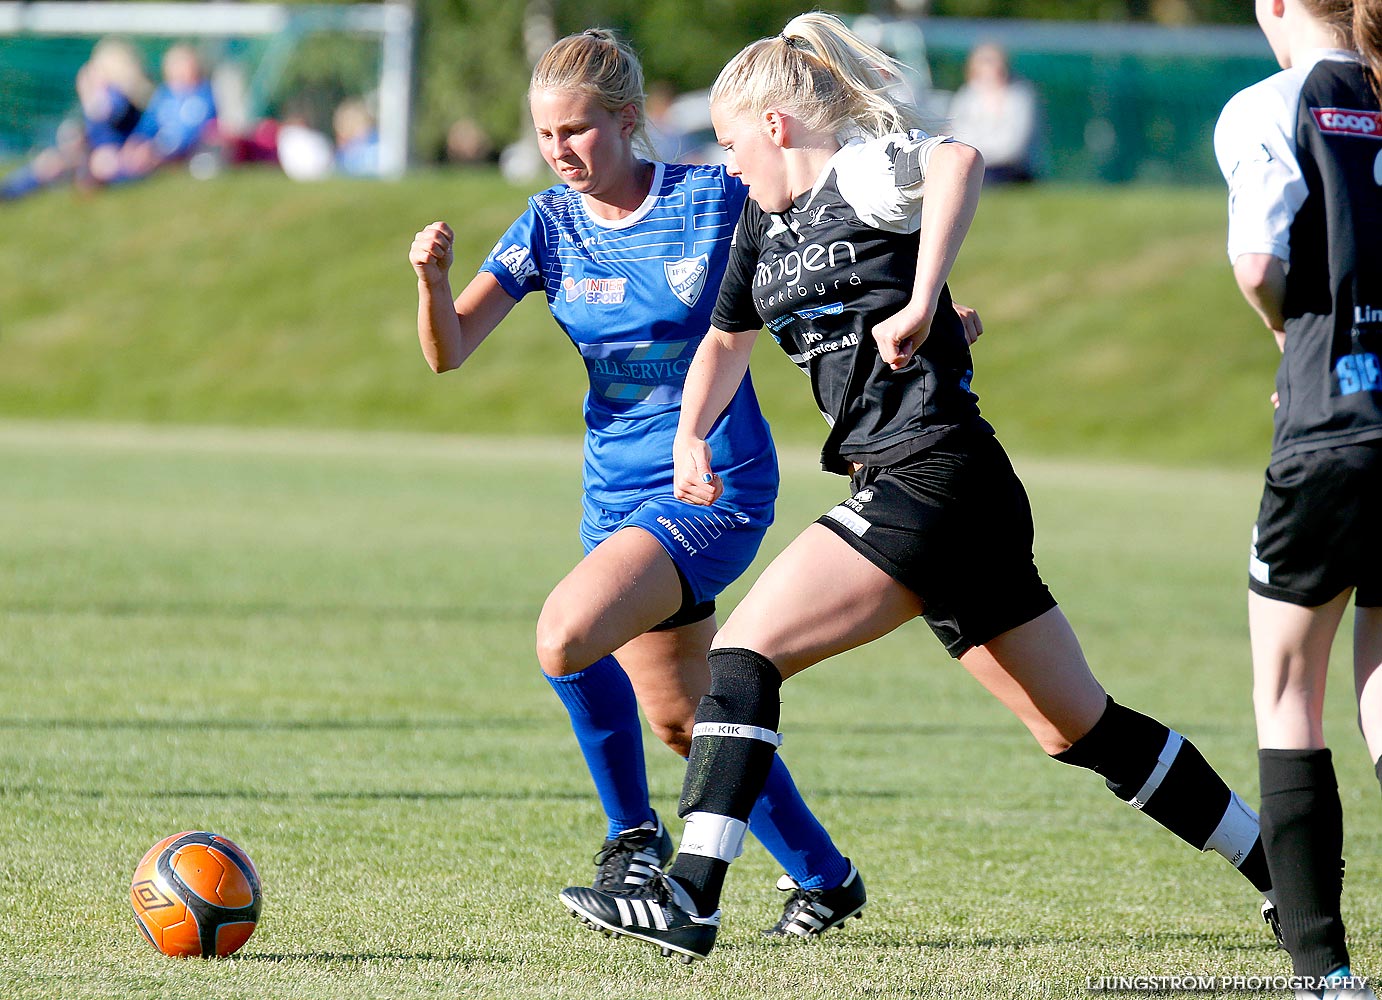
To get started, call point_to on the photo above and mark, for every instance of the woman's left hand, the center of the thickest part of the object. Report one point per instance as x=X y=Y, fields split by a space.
x=693 y=480
x=969 y=319
x=901 y=334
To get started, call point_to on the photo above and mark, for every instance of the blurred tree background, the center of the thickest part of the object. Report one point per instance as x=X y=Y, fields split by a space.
x=1154 y=11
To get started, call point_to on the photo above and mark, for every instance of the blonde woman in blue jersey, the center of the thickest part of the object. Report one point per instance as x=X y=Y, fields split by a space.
x=629 y=252
x=836 y=256
x=1301 y=155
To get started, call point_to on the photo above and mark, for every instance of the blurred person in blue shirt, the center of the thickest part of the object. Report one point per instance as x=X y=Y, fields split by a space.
x=180 y=114
x=357 y=139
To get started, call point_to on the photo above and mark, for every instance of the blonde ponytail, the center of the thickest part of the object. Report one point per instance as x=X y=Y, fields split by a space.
x=823 y=73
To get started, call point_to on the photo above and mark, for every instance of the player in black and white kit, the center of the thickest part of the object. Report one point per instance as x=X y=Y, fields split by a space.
x=1302 y=153
x=831 y=256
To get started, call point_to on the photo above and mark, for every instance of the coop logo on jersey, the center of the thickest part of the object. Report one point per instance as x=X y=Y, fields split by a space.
x=518 y=260
x=687 y=277
x=1342 y=121
x=595 y=291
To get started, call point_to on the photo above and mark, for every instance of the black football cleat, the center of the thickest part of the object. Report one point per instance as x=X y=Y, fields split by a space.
x=812 y=912
x=658 y=912
x=629 y=860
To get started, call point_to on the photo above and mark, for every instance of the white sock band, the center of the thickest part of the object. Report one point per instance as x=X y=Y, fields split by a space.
x=1236 y=832
x=743 y=732
x=709 y=835
x=1163 y=764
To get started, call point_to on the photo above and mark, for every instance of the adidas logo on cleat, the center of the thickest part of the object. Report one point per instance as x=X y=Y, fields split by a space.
x=812 y=912
x=630 y=859
x=660 y=913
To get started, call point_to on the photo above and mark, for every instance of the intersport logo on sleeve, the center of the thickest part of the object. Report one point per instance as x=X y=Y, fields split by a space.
x=1342 y=121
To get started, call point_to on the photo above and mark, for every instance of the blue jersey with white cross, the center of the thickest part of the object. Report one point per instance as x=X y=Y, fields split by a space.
x=635 y=297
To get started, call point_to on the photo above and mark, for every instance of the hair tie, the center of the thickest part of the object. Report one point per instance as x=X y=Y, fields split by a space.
x=792 y=41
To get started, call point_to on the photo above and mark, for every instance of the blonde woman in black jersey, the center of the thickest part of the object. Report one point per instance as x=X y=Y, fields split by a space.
x=1301 y=154
x=832 y=257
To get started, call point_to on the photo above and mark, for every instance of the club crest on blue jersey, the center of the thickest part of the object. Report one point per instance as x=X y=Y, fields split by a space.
x=686 y=277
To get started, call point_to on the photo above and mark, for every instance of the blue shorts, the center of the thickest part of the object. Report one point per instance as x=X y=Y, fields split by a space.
x=711 y=546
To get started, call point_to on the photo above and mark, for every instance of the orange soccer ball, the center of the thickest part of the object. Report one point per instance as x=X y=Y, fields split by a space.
x=196 y=894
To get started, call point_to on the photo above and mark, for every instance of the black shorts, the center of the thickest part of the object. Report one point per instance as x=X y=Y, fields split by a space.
x=691 y=610
x=1319 y=528
x=952 y=524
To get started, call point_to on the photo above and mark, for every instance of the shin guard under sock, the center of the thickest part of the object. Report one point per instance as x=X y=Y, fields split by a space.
x=604 y=717
x=1160 y=772
x=732 y=748
x=1303 y=831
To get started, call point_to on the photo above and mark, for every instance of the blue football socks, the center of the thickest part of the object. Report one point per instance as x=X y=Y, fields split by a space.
x=604 y=717
x=793 y=836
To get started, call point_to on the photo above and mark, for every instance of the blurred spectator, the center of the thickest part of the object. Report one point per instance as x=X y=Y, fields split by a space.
x=179 y=115
x=357 y=139
x=521 y=161
x=304 y=153
x=467 y=142
x=996 y=113
x=235 y=137
x=111 y=89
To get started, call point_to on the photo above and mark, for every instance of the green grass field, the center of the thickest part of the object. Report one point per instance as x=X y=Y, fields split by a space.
x=319 y=644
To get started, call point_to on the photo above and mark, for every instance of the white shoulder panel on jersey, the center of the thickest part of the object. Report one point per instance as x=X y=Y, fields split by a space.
x=883 y=179
x=1255 y=144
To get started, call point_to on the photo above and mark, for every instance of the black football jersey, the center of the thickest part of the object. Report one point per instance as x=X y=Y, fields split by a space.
x=1302 y=152
x=822 y=274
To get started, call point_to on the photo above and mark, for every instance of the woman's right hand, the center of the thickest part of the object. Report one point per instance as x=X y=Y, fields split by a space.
x=692 y=478
x=431 y=253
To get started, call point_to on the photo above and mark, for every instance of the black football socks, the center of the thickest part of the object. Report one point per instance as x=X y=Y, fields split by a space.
x=1303 y=830
x=1159 y=771
x=732 y=748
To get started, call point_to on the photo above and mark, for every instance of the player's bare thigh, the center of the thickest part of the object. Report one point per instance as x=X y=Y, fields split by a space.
x=1290 y=660
x=1039 y=673
x=1367 y=675
x=626 y=585
x=818 y=598
x=821 y=597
